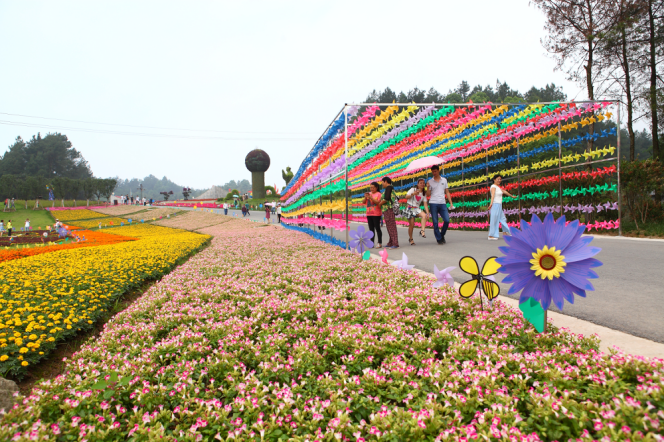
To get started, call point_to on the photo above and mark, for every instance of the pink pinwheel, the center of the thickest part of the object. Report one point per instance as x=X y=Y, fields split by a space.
x=443 y=276
x=403 y=263
x=383 y=254
x=600 y=207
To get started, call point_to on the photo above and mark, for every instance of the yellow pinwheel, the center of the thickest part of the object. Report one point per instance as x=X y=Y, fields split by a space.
x=482 y=279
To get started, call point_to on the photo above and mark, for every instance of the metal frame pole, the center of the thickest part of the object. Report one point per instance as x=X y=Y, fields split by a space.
x=560 y=168
x=518 y=176
x=346 y=168
x=463 y=196
x=618 y=167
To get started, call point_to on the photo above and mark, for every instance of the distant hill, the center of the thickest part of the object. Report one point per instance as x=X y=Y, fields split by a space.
x=153 y=185
x=151 y=188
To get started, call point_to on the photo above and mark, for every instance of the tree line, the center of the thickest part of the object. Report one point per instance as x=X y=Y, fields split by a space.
x=34 y=187
x=27 y=168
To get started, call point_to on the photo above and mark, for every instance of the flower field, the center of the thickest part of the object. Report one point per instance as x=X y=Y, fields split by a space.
x=92 y=239
x=194 y=220
x=75 y=215
x=128 y=210
x=47 y=297
x=94 y=223
x=271 y=335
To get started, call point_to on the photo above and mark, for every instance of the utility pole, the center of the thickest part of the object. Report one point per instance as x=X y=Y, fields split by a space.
x=140 y=187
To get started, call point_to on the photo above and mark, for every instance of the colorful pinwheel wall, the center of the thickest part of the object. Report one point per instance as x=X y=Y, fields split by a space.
x=558 y=158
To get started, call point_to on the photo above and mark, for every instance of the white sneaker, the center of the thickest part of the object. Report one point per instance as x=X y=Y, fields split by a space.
x=493 y=239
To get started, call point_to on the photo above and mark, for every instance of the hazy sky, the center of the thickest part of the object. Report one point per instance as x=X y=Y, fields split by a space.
x=242 y=74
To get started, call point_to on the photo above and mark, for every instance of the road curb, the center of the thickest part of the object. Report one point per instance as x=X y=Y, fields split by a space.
x=609 y=339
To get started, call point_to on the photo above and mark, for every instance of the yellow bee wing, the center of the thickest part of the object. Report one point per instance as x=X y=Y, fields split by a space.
x=468 y=288
x=490 y=288
x=469 y=265
x=490 y=267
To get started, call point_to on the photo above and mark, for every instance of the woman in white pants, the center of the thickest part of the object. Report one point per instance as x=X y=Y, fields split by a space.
x=497 y=217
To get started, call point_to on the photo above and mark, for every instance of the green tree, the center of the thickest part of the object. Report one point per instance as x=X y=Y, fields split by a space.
x=54 y=156
x=479 y=97
x=454 y=98
x=13 y=161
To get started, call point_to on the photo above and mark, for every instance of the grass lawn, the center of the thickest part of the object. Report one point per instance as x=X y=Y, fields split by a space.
x=38 y=218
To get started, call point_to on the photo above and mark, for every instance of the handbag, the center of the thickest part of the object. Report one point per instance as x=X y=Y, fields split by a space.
x=396 y=207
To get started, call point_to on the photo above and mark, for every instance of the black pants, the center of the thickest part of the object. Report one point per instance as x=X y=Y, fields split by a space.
x=9 y=231
x=279 y=216
x=374 y=226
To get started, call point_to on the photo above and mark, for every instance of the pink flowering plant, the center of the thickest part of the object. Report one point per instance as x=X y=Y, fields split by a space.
x=269 y=334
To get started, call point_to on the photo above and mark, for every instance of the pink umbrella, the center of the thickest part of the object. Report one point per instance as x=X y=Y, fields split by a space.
x=423 y=163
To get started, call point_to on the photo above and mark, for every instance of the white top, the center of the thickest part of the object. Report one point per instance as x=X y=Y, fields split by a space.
x=412 y=198
x=27 y=224
x=498 y=196
x=279 y=210
x=437 y=190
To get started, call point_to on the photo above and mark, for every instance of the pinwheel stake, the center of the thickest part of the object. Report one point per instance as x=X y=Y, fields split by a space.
x=482 y=280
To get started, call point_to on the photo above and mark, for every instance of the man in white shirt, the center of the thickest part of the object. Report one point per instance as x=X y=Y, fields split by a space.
x=225 y=208
x=437 y=189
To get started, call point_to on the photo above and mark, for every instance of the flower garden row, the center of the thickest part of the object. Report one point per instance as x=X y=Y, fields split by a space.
x=48 y=294
x=269 y=334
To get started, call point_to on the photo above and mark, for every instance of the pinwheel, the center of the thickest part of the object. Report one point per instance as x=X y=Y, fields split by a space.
x=482 y=279
x=383 y=254
x=549 y=261
x=361 y=239
x=443 y=276
x=403 y=263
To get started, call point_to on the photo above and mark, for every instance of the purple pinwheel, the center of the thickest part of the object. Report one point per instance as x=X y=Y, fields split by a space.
x=403 y=263
x=443 y=276
x=549 y=261
x=361 y=239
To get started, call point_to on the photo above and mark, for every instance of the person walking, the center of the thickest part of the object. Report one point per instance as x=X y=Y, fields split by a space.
x=225 y=208
x=9 y=227
x=27 y=224
x=415 y=198
x=279 y=213
x=372 y=200
x=388 y=213
x=2 y=226
x=496 y=214
x=436 y=190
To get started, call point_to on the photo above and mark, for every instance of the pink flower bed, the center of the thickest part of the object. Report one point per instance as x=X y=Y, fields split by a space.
x=269 y=334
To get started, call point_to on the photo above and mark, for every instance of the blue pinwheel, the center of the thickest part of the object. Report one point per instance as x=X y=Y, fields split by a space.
x=549 y=261
x=361 y=239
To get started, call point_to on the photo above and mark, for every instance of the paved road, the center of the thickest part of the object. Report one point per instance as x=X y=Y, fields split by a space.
x=628 y=296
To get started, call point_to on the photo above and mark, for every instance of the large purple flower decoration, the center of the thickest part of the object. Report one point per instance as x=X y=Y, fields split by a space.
x=361 y=239
x=549 y=261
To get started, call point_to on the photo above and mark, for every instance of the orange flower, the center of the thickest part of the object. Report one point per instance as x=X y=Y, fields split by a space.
x=92 y=239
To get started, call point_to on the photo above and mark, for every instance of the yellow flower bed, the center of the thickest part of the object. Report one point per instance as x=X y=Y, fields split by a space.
x=46 y=298
x=94 y=223
x=75 y=215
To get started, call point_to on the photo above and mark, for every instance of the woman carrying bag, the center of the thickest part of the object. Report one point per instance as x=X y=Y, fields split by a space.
x=388 y=205
x=415 y=197
x=372 y=200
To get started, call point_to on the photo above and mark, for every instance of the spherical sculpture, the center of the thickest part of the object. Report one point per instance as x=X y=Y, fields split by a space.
x=257 y=161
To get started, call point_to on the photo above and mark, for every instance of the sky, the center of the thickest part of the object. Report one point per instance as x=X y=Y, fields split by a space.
x=186 y=89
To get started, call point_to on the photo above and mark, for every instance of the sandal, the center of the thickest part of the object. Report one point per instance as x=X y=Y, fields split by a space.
x=422 y=234
x=379 y=246
x=412 y=243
